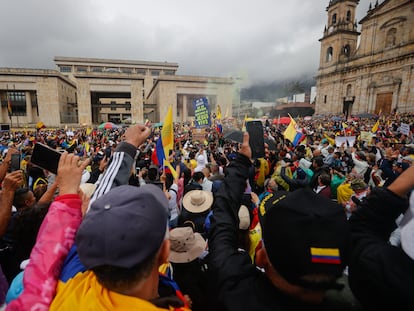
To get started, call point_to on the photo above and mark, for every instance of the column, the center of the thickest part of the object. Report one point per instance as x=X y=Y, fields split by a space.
x=29 y=111
x=185 y=112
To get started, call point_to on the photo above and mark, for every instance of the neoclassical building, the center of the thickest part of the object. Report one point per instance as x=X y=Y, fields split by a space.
x=88 y=91
x=371 y=70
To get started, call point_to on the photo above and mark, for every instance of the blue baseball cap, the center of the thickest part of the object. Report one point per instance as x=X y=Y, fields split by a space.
x=124 y=227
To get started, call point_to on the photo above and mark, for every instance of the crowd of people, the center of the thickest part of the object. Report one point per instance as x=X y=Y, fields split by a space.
x=322 y=223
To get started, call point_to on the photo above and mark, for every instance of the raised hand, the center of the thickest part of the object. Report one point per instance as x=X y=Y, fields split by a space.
x=70 y=173
x=245 y=147
x=137 y=134
x=13 y=181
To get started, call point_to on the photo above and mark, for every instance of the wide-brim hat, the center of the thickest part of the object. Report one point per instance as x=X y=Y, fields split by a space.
x=198 y=201
x=186 y=245
x=88 y=189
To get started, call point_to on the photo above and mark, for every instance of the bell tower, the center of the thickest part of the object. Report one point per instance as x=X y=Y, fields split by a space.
x=339 y=41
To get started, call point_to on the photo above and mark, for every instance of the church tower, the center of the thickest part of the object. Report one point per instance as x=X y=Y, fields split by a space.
x=339 y=41
x=338 y=48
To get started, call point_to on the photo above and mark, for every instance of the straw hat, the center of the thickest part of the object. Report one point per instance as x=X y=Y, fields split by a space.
x=185 y=245
x=88 y=189
x=198 y=201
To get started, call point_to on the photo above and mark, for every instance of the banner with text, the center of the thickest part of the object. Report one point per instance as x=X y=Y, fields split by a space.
x=201 y=112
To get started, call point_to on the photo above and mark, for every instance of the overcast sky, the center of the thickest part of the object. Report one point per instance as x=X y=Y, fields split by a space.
x=260 y=41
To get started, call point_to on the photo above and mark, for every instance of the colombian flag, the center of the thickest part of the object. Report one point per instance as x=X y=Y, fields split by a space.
x=292 y=133
x=165 y=142
x=325 y=255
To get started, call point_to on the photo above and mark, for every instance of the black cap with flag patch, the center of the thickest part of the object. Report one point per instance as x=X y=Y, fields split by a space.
x=304 y=234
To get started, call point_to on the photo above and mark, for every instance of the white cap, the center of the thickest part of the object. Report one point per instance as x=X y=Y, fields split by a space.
x=244 y=218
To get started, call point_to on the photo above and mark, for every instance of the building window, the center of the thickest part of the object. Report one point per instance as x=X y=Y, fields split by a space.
x=334 y=19
x=115 y=70
x=81 y=69
x=348 y=16
x=65 y=69
x=18 y=103
x=96 y=69
x=141 y=71
x=325 y=98
x=155 y=72
x=329 y=54
x=391 y=37
x=126 y=70
x=347 y=50
x=169 y=72
x=348 y=90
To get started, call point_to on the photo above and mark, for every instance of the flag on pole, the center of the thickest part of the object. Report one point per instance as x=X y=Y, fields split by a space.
x=375 y=127
x=293 y=133
x=330 y=139
x=219 y=128
x=218 y=113
x=9 y=107
x=165 y=142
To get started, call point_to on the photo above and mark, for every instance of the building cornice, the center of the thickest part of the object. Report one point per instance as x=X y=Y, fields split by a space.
x=100 y=61
x=365 y=66
x=35 y=73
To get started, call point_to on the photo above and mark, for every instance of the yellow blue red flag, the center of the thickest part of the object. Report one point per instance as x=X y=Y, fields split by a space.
x=165 y=142
x=292 y=132
x=218 y=113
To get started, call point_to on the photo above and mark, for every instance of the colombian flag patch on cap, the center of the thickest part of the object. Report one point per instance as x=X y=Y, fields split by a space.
x=325 y=255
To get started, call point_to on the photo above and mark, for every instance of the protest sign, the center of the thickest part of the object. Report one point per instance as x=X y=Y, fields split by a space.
x=201 y=112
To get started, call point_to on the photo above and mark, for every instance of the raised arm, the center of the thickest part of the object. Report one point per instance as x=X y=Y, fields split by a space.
x=55 y=238
x=49 y=195
x=223 y=238
x=120 y=165
x=404 y=183
x=4 y=167
x=11 y=183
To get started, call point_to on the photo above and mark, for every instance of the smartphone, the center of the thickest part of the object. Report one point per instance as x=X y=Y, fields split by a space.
x=15 y=162
x=45 y=157
x=256 y=138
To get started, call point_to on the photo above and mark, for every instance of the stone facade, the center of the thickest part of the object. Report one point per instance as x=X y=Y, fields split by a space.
x=371 y=70
x=45 y=95
x=84 y=91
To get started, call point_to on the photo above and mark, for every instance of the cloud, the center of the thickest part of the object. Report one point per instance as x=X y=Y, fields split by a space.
x=268 y=40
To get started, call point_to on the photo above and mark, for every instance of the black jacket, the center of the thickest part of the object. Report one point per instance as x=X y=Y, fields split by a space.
x=380 y=275
x=238 y=284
